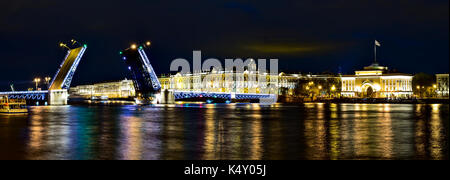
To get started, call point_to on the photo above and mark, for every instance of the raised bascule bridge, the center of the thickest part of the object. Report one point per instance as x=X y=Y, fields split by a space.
x=148 y=88
x=146 y=83
x=57 y=92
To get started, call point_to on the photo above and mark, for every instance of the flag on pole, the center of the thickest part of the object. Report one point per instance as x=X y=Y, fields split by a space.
x=377 y=43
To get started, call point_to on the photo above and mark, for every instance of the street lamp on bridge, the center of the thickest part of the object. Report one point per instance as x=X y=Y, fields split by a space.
x=73 y=41
x=37 y=80
x=47 y=81
x=64 y=45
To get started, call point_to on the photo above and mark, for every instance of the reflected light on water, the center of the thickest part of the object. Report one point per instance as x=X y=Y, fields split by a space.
x=131 y=140
x=230 y=131
x=386 y=108
x=36 y=133
x=436 y=128
x=335 y=139
x=385 y=133
x=256 y=140
x=210 y=142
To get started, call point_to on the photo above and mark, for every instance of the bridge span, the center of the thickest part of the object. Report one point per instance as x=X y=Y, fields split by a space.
x=57 y=93
x=170 y=96
x=32 y=95
x=149 y=90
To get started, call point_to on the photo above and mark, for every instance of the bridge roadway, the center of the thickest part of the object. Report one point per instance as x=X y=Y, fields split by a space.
x=64 y=75
x=179 y=95
x=58 y=95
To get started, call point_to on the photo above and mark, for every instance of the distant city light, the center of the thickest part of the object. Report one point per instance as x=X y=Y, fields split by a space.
x=133 y=46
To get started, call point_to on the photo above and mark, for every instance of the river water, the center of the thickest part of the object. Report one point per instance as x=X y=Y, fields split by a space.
x=228 y=131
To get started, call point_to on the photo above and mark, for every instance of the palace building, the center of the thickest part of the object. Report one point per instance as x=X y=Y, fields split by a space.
x=220 y=81
x=442 y=85
x=112 y=90
x=246 y=82
x=377 y=81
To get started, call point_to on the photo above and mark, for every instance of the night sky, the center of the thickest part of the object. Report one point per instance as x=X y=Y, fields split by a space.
x=307 y=36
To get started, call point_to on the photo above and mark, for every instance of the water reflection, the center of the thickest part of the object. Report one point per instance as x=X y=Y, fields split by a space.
x=436 y=129
x=228 y=131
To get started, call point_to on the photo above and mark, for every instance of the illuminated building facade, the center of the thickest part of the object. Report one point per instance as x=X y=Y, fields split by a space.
x=111 y=90
x=241 y=83
x=375 y=81
x=442 y=85
x=226 y=82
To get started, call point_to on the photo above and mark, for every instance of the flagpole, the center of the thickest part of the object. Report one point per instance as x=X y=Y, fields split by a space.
x=375 y=51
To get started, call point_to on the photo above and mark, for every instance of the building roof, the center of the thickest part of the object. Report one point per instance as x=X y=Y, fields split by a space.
x=375 y=66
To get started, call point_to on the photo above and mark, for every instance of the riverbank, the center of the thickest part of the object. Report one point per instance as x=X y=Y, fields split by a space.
x=363 y=100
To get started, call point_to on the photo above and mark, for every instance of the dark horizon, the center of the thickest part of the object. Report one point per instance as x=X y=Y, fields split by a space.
x=305 y=36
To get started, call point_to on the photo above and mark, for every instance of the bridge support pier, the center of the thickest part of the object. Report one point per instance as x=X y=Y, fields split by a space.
x=57 y=97
x=166 y=97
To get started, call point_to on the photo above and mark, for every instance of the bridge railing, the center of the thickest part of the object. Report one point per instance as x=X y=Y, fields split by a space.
x=23 y=92
x=221 y=95
x=32 y=95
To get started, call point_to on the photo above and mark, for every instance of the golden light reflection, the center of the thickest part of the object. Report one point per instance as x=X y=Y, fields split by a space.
x=418 y=108
x=320 y=106
x=256 y=107
x=436 y=138
x=235 y=140
x=36 y=132
x=315 y=134
x=231 y=106
x=210 y=106
x=333 y=107
x=357 y=107
x=132 y=140
x=210 y=142
x=361 y=135
x=310 y=105
x=420 y=138
x=334 y=138
x=386 y=108
x=435 y=108
x=256 y=140
x=364 y=107
x=385 y=134
x=174 y=141
x=346 y=135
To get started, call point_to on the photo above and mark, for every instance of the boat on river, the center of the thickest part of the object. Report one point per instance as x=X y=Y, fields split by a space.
x=12 y=106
